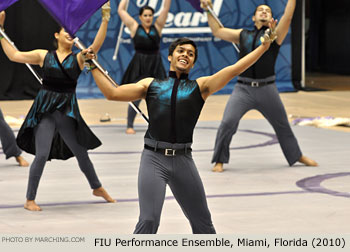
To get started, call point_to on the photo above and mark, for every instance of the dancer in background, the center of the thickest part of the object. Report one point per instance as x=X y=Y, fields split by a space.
x=8 y=142
x=174 y=105
x=146 y=37
x=54 y=128
x=256 y=87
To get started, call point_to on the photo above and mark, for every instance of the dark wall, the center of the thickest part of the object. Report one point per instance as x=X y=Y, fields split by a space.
x=328 y=40
x=297 y=45
x=30 y=27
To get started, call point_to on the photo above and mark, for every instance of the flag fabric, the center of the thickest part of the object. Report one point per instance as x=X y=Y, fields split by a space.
x=72 y=14
x=6 y=3
x=196 y=4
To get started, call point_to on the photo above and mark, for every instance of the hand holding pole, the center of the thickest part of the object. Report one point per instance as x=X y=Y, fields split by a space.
x=81 y=46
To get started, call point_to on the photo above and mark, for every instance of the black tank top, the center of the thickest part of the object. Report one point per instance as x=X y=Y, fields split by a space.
x=265 y=66
x=146 y=42
x=174 y=106
x=60 y=77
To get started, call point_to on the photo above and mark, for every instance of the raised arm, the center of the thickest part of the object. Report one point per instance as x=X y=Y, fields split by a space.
x=35 y=57
x=161 y=20
x=128 y=20
x=210 y=84
x=126 y=92
x=101 y=33
x=231 y=35
x=284 y=24
x=215 y=82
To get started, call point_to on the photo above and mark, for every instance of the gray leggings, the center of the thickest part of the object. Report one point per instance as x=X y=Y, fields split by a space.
x=267 y=101
x=132 y=114
x=44 y=134
x=8 y=140
x=180 y=173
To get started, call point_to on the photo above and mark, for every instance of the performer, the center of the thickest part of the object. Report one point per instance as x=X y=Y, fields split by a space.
x=256 y=87
x=8 y=142
x=146 y=38
x=174 y=105
x=54 y=128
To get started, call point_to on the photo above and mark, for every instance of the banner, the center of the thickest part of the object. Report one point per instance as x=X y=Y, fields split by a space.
x=6 y=3
x=185 y=21
x=196 y=4
x=72 y=14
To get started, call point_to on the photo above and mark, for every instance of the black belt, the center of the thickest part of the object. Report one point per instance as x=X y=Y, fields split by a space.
x=256 y=83
x=169 y=152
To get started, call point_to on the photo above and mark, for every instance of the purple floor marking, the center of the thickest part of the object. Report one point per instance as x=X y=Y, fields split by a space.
x=166 y=198
x=310 y=185
x=313 y=184
x=272 y=141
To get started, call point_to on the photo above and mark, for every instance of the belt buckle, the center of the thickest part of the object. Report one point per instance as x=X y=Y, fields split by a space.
x=254 y=84
x=170 y=152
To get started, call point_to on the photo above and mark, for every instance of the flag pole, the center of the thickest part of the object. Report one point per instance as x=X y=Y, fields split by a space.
x=219 y=22
x=4 y=35
x=81 y=46
x=116 y=51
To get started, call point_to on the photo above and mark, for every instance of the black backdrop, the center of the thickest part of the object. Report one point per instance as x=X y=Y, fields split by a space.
x=30 y=27
x=328 y=40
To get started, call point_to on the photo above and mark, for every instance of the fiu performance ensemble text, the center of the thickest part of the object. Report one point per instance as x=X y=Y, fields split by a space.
x=222 y=242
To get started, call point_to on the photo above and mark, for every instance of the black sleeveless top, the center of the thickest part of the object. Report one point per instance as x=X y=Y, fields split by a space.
x=57 y=93
x=147 y=61
x=60 y=77
x=265 y=66
x=174 y=106
x=146 y=42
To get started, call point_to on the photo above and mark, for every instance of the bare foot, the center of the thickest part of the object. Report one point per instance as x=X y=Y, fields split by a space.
x=130 y=131
x=31 y=206
x=218 y=167
x=101 y=192
x=307 y=161
x=21 y=161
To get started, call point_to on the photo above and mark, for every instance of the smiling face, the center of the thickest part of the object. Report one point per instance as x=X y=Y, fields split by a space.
x=263 y=14
x=146 y=18
x=182 y=58
x=64 y=39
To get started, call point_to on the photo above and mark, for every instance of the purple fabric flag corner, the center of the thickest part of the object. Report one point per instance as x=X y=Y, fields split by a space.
x=72 y=14
x=196 y=4
x=6 y=3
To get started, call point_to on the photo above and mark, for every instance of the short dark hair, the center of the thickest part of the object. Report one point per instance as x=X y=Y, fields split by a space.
x=256 y=9
x=183 y=41
x=146 y=8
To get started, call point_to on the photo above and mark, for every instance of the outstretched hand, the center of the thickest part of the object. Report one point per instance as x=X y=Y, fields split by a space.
x=205 y=4
x=2 y=18
x=270 y=34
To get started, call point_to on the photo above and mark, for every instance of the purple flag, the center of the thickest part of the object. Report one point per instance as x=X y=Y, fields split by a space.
x=72 y=14
x=196 y=4
x=6 y=3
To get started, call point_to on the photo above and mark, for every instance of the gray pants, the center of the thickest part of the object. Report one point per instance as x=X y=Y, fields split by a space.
x=180 y=173
x=132 y=114
x=44 y=134
x=267 y=101
x=8 y=140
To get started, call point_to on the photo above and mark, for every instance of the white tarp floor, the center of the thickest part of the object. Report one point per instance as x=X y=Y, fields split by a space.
x=258 y=193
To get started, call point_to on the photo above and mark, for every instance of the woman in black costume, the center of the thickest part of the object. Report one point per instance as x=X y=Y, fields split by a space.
x=146 y=38
x=54 y=128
